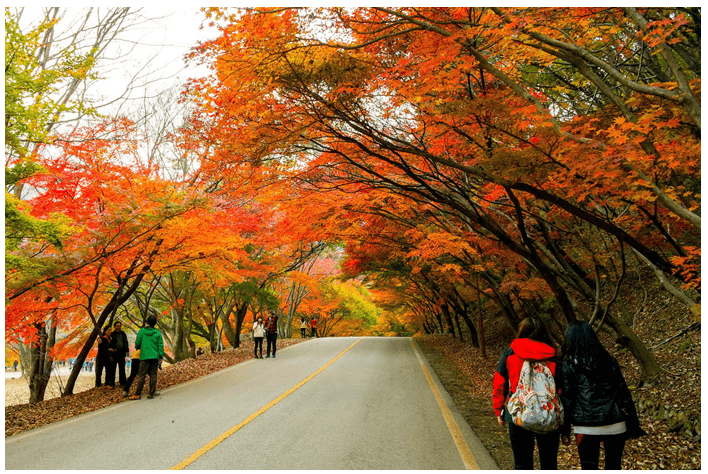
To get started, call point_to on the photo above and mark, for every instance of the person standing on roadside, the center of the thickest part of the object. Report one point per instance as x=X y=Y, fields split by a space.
x=258 y=333
x=152 y=350
x=134 y=371
x=271 y=327
x=532 y=343
x=303 y=328
x=103 y=359
x=313 y=326
x=118 y=349
x=597 y=400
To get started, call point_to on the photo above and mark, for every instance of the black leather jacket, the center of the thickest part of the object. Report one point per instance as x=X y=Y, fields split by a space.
x=597 y=397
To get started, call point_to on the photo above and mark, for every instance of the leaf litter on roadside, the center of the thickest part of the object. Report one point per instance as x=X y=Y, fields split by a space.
x=20 y=418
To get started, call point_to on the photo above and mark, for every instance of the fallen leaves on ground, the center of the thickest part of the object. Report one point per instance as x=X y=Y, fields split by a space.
x=20 y=418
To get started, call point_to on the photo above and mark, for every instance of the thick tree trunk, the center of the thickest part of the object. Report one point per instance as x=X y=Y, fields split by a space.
x=240 y=316
x=212 y=337
x=41 y=361
x=448 y=318
x=180 y=348
x=440 y=323
x=228 y=329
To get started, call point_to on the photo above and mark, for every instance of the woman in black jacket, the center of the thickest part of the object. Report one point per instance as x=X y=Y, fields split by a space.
x=596 y=398
x=103 y=357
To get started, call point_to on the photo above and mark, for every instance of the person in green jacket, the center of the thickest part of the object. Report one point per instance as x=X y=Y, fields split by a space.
x=152 y=350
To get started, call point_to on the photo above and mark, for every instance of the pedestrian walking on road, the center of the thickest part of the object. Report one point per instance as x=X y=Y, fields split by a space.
x=596 y=398
x=103 y=359
x=14 y=365
x=118 y=349
x=532 y=343
x=303 y=328
x=258 y=333
x=134 y=371
x=152 y=350
x=313 y=326
x=271 y=326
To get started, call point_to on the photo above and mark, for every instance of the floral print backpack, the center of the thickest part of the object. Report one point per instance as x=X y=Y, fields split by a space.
x=535 y=404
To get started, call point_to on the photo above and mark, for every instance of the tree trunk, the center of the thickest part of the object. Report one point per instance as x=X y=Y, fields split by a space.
x=212 y=337
x=240 y=316
x=192 y=347
x=450 y=325
x=41 y=361
x=474 y=336
x=457 y=323
x=480 y=322
x=228 y=329
x=650 y=371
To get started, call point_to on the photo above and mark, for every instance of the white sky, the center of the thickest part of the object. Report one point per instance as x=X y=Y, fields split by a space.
x=162 y=43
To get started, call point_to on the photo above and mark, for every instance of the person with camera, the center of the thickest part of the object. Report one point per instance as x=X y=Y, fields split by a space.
x=152 y=350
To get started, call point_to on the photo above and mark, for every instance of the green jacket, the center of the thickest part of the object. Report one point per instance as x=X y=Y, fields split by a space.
x=150 y=343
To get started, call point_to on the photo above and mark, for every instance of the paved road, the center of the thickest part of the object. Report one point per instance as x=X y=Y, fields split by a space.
x=330 y=403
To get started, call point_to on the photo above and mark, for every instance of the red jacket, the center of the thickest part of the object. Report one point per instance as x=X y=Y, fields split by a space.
x=507 y=375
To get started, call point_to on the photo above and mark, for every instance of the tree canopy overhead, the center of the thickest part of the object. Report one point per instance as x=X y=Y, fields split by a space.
x=451 y=163
x=568 y=137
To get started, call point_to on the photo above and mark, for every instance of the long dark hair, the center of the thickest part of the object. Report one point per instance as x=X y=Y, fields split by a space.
x=533 y=328
x=582 y=346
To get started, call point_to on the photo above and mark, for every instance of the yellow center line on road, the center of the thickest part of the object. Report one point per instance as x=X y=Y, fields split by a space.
x=467 y=457
x=207 y=447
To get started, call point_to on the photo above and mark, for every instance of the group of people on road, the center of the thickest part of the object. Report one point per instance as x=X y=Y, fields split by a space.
x=267 y=329
x=113 y=348
x=588 y=390
x=304 y=323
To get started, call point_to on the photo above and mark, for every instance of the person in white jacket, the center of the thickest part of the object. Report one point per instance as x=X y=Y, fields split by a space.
x=258 y=333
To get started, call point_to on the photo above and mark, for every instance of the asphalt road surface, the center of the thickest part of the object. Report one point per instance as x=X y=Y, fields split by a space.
x=330 y=403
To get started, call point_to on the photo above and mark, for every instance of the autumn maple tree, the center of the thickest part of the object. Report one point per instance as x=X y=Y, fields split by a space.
x=450 y=165
x=568 y=136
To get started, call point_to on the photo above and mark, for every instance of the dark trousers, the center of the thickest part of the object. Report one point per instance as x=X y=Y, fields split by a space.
x=589 y=450
x=314 y=332
x=258 y=346
x=148 y=366
x=522 y=443
x=134 y=371
x=303 y=333
x=117 y=366
x=271 y=338
x=106 y=364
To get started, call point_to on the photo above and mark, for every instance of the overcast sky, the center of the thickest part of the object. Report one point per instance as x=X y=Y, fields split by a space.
x=154 y=51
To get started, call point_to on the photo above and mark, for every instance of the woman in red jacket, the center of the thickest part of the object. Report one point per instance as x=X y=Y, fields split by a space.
x=532 y=343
